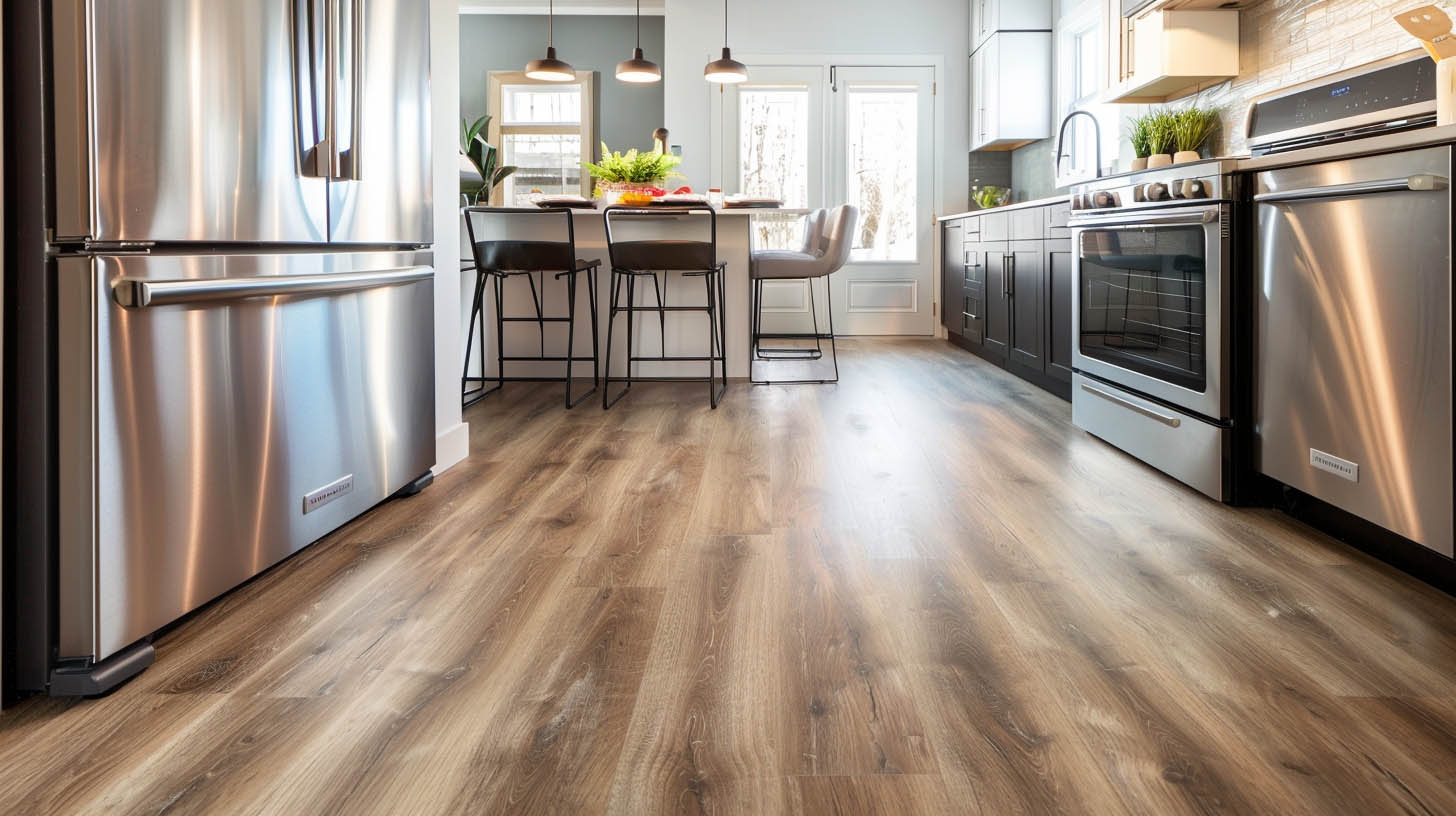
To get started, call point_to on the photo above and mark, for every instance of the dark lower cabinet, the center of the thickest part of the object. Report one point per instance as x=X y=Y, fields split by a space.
x=952 y=236
x=996 y=339
x=1027 y=304
x=1015 y=294
x=1059 y=284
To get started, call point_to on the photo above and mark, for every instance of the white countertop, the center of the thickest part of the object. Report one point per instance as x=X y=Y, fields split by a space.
x=1020 y=205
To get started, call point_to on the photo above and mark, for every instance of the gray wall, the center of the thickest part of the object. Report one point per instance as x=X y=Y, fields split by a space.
x=626 y=113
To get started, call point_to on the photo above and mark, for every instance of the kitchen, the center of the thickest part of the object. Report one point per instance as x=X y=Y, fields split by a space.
x=1069 y=486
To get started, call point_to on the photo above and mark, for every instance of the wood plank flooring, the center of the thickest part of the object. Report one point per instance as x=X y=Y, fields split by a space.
x=920 y=591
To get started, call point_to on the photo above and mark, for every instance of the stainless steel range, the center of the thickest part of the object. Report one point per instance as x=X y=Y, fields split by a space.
x=1150 y=317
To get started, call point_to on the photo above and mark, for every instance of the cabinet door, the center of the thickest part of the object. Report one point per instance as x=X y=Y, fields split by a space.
x=997 y=261
x=996 y=226
x=1027 y=323
x=1026 y=224
x=1058 y=287
x=951 y=274
x=973 y=307
x=985 y=102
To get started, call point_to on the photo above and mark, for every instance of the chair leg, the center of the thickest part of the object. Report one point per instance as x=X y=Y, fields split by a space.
x=631 y=325
x=475 y=314
x=570 y=333
x=661 y=313
x=500 y=330
x=611 y=324
x=536 y=301
x=723 y=329
x=712 y=338
x=591 y=284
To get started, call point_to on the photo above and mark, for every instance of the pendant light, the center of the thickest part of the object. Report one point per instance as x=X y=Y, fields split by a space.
x=550 y=69
x=638 y=69
x=725 y=71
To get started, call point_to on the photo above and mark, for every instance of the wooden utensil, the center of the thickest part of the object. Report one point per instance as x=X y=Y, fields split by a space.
x=1432 y=26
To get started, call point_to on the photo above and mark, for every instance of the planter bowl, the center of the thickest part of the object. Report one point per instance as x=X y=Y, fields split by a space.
x=1185 y=156
x=1139 y=163
x=1159 y=160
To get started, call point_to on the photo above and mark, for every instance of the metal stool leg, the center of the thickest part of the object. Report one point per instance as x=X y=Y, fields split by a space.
x=591 y=289
x=475 y=314
x=607 y=399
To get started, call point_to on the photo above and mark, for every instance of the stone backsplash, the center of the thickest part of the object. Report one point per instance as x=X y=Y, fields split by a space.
x=1281 y=43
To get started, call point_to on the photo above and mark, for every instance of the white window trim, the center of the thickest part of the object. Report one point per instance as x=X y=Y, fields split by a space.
x=587 y=129
x=1085 y=18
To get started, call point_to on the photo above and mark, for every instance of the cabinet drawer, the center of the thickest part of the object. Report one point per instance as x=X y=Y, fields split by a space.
x=995 y=226
x=1028 y=224
x=1055 y=220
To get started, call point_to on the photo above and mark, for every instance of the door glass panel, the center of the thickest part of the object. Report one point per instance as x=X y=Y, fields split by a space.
x=1143 y=302
x=544 y=162
x=541 y=104
x=880 y=169
x=773 y=156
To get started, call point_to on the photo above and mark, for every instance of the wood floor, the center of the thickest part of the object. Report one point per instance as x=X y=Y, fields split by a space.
x=920 y=591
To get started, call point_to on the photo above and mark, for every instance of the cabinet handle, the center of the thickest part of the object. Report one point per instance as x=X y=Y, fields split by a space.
x=1005 y=277
x=1011 y=276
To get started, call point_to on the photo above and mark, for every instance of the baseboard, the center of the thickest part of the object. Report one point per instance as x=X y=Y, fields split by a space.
x=452 y=445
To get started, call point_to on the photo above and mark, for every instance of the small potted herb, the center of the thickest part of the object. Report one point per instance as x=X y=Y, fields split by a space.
x=1141 y=142
x=1160 y=138
x=632 y=171
x=1192 y=128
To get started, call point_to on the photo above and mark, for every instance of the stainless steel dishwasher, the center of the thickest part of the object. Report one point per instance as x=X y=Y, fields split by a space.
x=1353 y=363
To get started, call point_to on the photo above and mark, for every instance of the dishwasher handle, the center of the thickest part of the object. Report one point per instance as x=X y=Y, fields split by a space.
x=139 y=293
x=1421 y=182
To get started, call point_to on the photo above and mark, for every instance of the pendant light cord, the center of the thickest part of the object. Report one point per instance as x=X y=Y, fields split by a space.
x=639 y=23
x=725 y=23
x=551 y=20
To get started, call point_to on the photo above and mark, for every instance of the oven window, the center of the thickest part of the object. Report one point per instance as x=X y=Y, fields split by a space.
x=1143 y=302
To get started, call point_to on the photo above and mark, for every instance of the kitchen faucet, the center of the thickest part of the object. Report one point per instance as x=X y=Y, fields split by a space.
x=1062 y=135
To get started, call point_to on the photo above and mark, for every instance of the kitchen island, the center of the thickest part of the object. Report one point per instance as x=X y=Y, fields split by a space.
x=686 y=332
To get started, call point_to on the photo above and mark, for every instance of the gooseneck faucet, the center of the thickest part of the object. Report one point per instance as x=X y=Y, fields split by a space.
x=1062 y=135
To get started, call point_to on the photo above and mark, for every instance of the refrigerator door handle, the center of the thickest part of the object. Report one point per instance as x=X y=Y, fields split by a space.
x=140 y=293
x=329 y=148
x=351 y=159
x=314 y=160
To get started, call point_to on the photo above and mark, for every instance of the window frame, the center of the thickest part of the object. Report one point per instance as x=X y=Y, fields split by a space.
x=1085 y=21
x=586 y=128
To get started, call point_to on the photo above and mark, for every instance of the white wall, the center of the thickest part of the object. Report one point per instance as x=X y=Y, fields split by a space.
x=452 y=436
x=860 y=28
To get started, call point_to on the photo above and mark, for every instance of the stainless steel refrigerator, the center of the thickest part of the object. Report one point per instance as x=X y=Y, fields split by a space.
x=243 y=299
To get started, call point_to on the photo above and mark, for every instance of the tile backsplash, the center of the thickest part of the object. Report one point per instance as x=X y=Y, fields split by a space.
x=1281 y=43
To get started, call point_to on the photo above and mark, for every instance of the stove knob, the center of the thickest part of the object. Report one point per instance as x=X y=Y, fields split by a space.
x=1195 y=188
x=1140 y=193
x=1158 y=192
x=1104 y=200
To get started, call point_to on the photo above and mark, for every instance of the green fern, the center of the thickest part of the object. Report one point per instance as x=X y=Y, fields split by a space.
x=634 y=166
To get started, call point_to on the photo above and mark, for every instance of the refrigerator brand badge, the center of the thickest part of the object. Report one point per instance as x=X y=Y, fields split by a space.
x=1330 y=463
x=327 y=493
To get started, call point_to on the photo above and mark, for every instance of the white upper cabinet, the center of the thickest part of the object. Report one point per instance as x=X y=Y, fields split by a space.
x=1167 y=51
x=1011 y=81
x=991 y=16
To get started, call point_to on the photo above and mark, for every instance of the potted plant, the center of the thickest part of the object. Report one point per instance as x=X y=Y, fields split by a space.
x=484 y=157
x=1160 y=138
x=631 y=171
x=1141 y=141
x=1192 y=127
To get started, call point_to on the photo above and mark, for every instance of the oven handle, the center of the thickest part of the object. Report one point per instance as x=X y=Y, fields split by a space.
x=1129 y=221
x=1421 y=182
x=1171 y=422
x=137 y=293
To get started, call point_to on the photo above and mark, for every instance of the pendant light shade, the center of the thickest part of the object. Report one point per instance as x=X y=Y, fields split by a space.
x=550 y=69
x=639 y=69
x=725 y=71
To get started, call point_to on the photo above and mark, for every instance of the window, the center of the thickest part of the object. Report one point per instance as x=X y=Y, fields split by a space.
x=545 y=130
x=1080 y=59
x=773 y=157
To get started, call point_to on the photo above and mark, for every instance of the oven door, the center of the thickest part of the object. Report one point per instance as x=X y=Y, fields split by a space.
x=1149 y=305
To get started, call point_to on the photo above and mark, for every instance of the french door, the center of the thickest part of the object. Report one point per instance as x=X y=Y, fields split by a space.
x=819 y=136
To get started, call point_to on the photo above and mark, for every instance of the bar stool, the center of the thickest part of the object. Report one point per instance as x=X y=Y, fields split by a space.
x=825 y=252
x=636 y=252
x=509 y=242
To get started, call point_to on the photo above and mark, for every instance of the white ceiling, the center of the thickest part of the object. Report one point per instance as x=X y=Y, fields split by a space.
x=654 y=7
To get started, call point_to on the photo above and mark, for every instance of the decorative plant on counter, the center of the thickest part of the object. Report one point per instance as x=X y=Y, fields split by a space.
x=633 y=170
x=484 y=157
x=1142 y=141
x=1192 y=127
x=1160 y=124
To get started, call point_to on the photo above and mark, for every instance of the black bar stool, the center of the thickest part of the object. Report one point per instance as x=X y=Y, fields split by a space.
x=512 y=242
x=635 y=253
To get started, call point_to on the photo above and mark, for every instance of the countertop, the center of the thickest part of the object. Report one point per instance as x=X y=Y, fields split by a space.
x=1020 y=205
